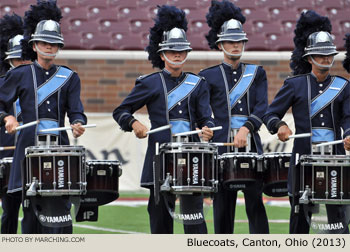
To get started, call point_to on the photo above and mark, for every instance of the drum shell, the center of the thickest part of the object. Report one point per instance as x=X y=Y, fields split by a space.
x=192 y=167
x=275 y=176
x=327 y=178
x=240 y=170
x=57 y=169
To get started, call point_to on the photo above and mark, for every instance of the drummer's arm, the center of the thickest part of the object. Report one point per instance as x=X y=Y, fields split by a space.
x=10 y=124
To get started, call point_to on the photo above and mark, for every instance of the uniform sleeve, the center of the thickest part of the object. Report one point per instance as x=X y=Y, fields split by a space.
x=261 y=102
x=75 y=109
x=279 y=106
x=140 y=95
x=203 y=109
x=345 y=122
x=8 y=93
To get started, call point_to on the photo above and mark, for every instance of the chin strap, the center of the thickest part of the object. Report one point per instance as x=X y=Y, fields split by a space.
x=44 y=53
x=232 y=54
x=320 y=65
x=172 y=62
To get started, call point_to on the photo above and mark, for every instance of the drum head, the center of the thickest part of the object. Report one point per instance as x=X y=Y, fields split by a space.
x=187 y=209
x=327 y=218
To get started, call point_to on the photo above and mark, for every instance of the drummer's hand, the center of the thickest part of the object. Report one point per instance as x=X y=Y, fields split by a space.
x=283 y=133
x=347 y=143
x=77 y=130
x=11 y=124
x=240 y=139
x=206 y=133
x=139 y=129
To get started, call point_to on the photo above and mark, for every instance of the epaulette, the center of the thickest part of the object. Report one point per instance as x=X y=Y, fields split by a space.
x=202 y=78
x=296 y=76
x=209 y=67
x=340 y=77
x=147 y=75
x=67 y=68
x=19 y=66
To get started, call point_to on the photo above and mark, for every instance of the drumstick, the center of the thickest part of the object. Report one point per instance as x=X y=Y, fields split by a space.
x=300 y=135
x=222 y=144
x=68 y=128
x=7 y=148
x=196 y=131
x=25 y=125
x=329 y=143
x=158 y=129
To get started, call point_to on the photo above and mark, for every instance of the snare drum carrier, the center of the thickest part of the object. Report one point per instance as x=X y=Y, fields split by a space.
x=325 y=176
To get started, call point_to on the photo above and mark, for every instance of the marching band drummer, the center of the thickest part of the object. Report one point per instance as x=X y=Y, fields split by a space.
x=167 y=50
x=42 y=40
x=238 y=98
x=11 y=34
x=320 y=105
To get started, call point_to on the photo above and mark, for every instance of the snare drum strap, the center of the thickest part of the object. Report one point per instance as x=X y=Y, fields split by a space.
x=177 y=95
x=327 y=96
x=242 y=86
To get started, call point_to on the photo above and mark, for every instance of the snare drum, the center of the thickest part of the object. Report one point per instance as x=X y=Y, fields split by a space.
x=5 y=167
x=240 y=169
x=188 y=168
x=55 y=170
x=102 y=182
x=325 y=179
x=275 y=174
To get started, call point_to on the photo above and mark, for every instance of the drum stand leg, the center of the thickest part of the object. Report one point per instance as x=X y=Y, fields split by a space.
x=166 y=185
x=304 y=199
x=32 y=189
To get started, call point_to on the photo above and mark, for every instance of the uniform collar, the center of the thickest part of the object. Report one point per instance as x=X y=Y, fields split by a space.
x=167 y=75
x=314 y=78
x=36 y=63
x=228 y=66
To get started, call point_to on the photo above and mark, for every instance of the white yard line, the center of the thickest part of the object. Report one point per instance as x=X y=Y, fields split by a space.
x=106 y=229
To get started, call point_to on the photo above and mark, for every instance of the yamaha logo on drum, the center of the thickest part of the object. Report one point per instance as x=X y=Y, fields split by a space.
x=60 y=169
x=334 y=184
x=195 y=161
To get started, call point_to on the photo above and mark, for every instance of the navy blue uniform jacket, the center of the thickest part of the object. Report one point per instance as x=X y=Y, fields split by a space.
x=149 y=91
x=19 y=83
x=253 y=104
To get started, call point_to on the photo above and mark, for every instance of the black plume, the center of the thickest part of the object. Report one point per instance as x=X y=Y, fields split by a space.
x=168 y=17
x=10 y=26
x=219 y=12
x=43 y=10
x=346 y=61
x=308 y=23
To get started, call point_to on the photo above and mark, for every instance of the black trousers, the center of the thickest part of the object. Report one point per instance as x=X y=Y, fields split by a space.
x=298 y=223
x=225 y=206
x=9 y=219
x=161 y=221
x=31 y=225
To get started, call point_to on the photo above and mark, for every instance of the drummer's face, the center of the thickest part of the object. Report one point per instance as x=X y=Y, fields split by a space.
x=174 y=56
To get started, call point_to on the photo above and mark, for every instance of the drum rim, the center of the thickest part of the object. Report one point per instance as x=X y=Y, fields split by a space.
x=172 y=145
x=240 y=154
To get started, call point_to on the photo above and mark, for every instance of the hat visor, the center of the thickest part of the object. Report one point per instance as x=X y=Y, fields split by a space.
x=324 y=53
x=175 y=48
x=233 y=38
x=16 y=55
x=48 y=40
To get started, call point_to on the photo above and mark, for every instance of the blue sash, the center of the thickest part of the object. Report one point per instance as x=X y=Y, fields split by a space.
x=328 y=95
x=179 y=126
x=48 y=124
x=243 y=85
x=183 y=90
x=238 y=121
x=322 y=135
x=55 y=83
x=18 y=108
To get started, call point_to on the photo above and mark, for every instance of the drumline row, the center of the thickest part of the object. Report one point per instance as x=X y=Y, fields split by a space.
x=188 y=168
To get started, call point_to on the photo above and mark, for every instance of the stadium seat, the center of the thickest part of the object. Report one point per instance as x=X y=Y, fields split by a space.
x=11 y=3
x=204 y=3
x=76 y=13
x=122 y=3
x=182 y=4
x=270 y=3
x=257 y=42
x=72 y=40
x=83 y=25
x=245 y=4
x=279 y=42
x=95 y=12
x=127 y=42
x=198 y=26
x=267 y=27
x=85 y=3
x=198 y=41
x=281 y=14
x=288 y=26
x=256 y=15
x=339 y=41
x=60 y=3
x=108 y=26
x=140 y=25
x=338 y=14
x=328 y=3
x=345 y=27
x=149 y=3
x=299 y=4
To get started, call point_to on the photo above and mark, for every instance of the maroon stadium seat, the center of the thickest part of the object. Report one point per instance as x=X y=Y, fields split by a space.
x=267 y=27
x=288 y=26
x=279 y=42
x=270 y=3
x=84 y=3
x=329 y=3
x=76 y=13
x=203 y=4
x=96 y=40
x=95 y=12
x=108 y=26
x=127 y=42
x=345 y=26
x=72 y=40
x=83 y=25
x=256 y=15
x=198 y=26
x=198 y=41
x=11 y=3
x=149 y=3
x=296 y=4
x=339 y=41
x=281 y=14
x=140 y=25
x=243 y=4
x=257 y=42
x=183 y=3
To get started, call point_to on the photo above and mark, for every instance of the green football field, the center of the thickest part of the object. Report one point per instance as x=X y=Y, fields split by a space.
x=131 y=217
x=128 y=215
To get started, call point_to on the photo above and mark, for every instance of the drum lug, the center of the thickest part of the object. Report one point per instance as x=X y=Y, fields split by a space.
x=166 y=185
x=304 y=199
x=32 y=188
